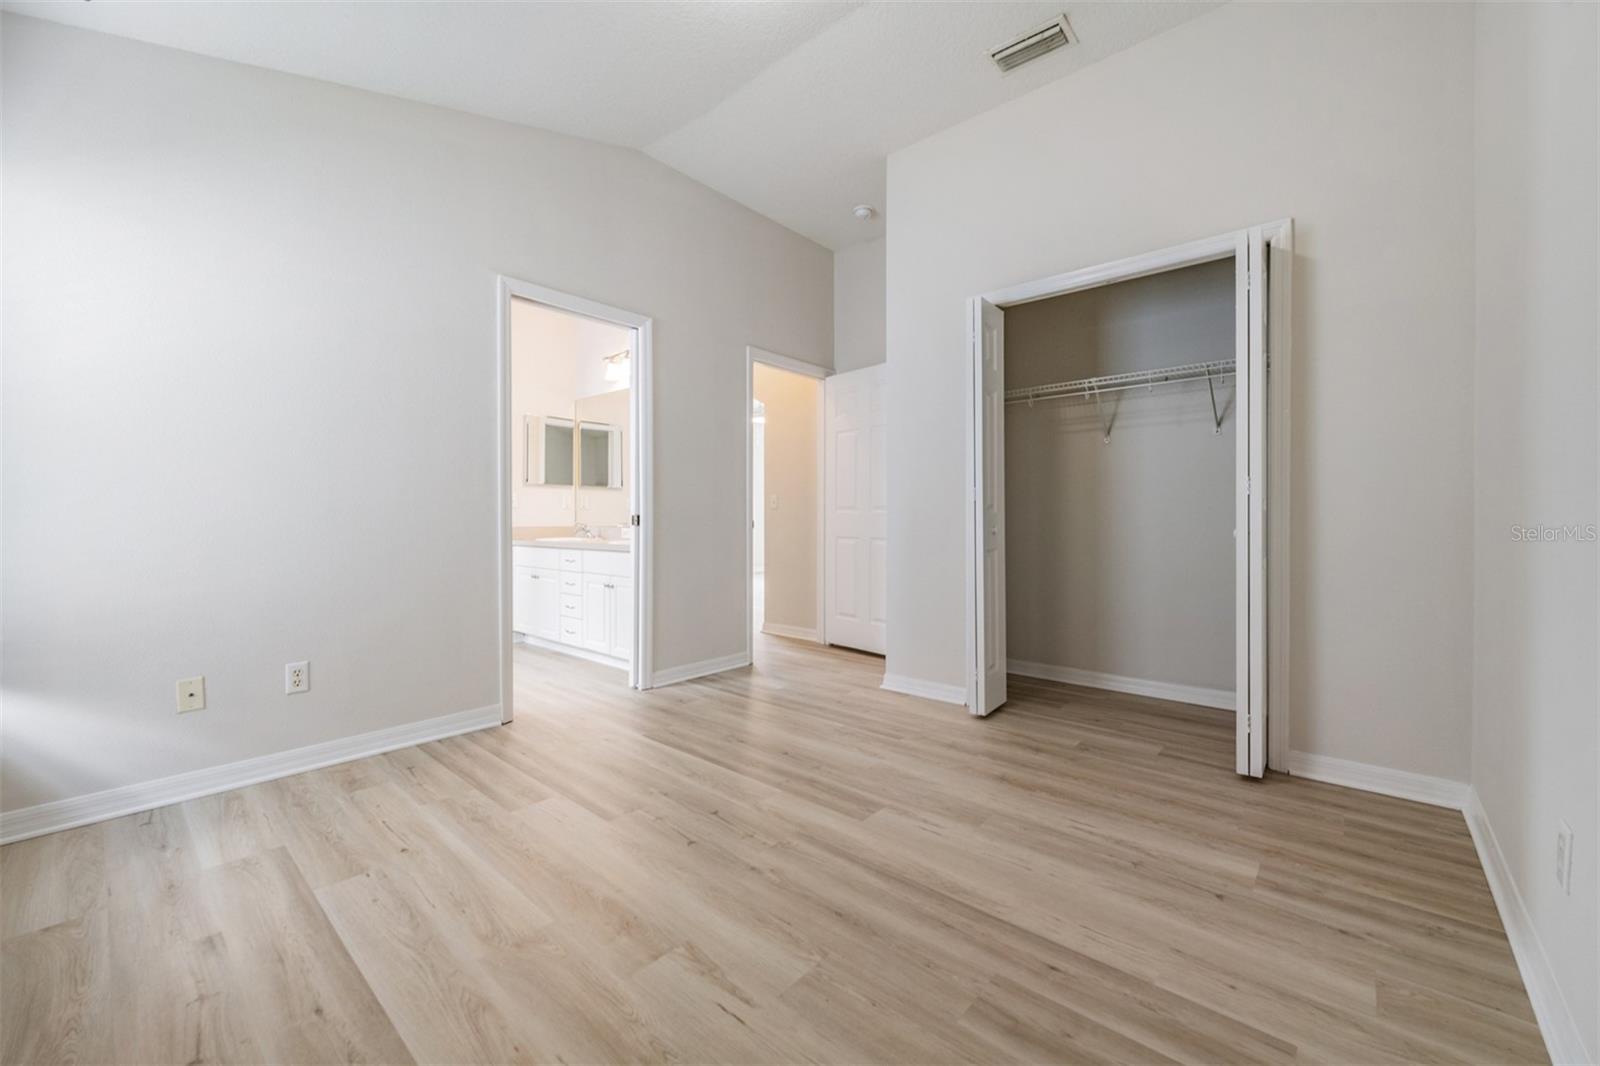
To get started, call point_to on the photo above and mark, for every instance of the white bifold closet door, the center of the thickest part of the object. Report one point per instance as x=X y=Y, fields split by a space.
x=989 y=505
x=1250 y=505
x=856 y=582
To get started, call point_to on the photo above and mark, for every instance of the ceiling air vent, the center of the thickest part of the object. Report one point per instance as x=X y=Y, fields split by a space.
x=1032 y=45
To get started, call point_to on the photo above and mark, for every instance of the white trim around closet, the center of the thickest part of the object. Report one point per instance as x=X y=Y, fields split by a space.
x=1278 y=237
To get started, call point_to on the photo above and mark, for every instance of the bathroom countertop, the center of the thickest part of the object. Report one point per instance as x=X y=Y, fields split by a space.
x=581 y=543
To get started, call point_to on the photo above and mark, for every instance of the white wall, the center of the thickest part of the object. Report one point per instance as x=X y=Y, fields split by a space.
x=1119 y=555
x=543 y=384
x=858 y=305
x=1535 y=701
x=789 y=480
x=1248 y=113
x=251 y=318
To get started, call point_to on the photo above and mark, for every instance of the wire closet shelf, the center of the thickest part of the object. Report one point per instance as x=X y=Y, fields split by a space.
x=1089 y=388
x=1096 y=388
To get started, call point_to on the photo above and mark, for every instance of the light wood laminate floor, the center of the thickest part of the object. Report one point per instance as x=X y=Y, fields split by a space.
x=773 y=865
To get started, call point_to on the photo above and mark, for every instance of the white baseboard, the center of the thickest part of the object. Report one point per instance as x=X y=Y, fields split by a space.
x=1557 y=1023
x=1134 y=686
x=130 y=799
x=777 y=629
x=928 y=690
x=1438 y=791
x=572 y=650
x=672 y=675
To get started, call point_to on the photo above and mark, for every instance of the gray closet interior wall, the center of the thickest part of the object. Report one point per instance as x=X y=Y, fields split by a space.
x=1119 y=556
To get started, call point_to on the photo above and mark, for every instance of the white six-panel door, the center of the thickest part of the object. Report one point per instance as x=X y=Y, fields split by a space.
x=857 y=527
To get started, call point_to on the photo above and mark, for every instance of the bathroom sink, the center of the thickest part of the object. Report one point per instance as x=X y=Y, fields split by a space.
x=581 y=542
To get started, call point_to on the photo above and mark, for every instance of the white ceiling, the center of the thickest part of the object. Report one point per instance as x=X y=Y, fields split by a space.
x=789 y=107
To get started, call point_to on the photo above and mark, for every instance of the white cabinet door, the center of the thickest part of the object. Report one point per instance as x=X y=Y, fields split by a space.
x=597 y=598
x=544 y=614
x=856 y=564
x=621 y=628
x=522 y=599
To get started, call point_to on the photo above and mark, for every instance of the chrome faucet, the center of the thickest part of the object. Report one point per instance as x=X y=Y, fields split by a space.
x=582 y=530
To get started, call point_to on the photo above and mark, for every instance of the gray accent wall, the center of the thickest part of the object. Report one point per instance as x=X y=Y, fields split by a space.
x=1119 y=556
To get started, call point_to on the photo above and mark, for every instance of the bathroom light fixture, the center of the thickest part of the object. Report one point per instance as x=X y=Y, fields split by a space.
x=863 y=212
x=617 y=367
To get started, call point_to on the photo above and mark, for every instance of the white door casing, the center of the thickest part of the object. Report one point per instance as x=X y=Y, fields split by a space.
x=989 y=507
x=856 y=504
x=640 y=493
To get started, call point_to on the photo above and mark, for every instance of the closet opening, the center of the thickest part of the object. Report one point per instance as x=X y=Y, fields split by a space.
x=1129 y=424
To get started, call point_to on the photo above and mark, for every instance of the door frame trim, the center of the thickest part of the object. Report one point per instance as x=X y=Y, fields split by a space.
x=641 y=451
x=752 y=356
x=1278 y=236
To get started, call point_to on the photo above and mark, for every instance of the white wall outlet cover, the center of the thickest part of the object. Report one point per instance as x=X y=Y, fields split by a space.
x=296 y=677
x=191 y=694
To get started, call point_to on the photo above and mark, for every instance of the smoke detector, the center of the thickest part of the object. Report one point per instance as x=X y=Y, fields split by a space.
x=863 y=212
x=1032 y=45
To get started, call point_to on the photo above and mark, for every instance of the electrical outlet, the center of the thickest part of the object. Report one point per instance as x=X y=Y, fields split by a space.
x=1564 y=856
x=191 y=695
x=296 y=677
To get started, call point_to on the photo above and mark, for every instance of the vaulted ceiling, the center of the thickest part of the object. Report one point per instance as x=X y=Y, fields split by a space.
x=789 y=107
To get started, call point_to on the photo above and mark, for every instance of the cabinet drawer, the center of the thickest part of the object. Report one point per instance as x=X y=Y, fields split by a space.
x=570 y=559
x=571 y=584
x=545 y=558
x=571 y=631
x=611 y=564
x=571 y=606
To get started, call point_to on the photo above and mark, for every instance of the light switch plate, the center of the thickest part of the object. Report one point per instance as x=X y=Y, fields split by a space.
x=191 y=695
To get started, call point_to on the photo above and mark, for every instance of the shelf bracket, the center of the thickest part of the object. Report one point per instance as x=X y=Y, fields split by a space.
x=1106 y=422
x=1216 y=415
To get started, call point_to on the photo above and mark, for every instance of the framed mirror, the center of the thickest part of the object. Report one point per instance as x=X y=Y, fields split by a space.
x=547 y=457
x=599 y=456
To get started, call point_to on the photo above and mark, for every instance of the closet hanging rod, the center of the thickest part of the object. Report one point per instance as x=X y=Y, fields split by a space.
x=1138 y=379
